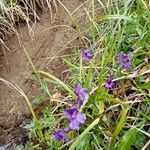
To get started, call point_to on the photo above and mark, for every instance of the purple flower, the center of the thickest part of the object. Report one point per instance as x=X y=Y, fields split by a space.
x=74 y=117
x=59 y=135
x=67 y=140
x=86 y=54
x=82 y=94
x=110 y=84
x=124 y=60
x=66 y=129
x=78 y=88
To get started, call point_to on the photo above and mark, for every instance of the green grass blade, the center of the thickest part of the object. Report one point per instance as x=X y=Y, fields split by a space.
x=17 y=88
x=114 y=17
x=70 y=64
x=59 y=82
x=127 y=140
x=80 y=137
x=118 y=128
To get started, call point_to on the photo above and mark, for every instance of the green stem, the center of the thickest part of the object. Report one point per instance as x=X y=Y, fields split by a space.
x=118 y=128
x=80 y=70
x=37 y=75
x=39 y=132
x=80 y=137
x=59 y=82
x=32 y=65
x=16 y=87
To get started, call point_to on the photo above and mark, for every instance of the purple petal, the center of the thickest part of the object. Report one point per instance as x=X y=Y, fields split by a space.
x=86 y=54
x=80 y=117
x=78 y=88
x=74 y=124
x=67 y=140
x=71 y=112
x=110 y=84
x=80 y=101
x=59 y=135
x=82 y=98
x=74 y=117
x=66 y=129
x=124 y=60
x=84 y=94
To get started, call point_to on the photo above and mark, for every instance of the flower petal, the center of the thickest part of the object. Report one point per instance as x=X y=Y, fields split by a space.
x=86 y=54
x=110 y=84
x=80 y=117
x=124 y=60
x=59 y=135
x=74 y=124
x=71 y=112
x=84 y=94
x=78 y=88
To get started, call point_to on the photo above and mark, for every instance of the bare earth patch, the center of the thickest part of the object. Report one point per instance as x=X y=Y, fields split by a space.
x=50 y=40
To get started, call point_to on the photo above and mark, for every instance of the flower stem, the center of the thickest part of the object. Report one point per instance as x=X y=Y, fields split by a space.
x=118 y=128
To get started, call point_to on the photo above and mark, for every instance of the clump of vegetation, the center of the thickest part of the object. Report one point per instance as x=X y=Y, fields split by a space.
x=15 y=12
x=106 y=101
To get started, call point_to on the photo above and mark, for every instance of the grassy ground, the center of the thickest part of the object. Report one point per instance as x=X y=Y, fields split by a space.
x=117 y=110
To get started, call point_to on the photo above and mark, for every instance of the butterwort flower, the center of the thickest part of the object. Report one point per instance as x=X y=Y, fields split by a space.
x=82 y=94
x=74 y=117
x=124 y=60
x=110 y=84
x=87 y=54
x=59 y=134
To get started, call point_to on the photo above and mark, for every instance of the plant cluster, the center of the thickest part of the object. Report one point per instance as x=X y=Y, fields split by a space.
x=106 y=99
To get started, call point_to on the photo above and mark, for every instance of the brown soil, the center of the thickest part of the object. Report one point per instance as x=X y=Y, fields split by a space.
x=44 y=48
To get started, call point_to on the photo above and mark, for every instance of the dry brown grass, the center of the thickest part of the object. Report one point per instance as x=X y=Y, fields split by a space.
x=12 y=13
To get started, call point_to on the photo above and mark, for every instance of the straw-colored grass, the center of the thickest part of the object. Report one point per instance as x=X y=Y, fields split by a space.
x=12 y=13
